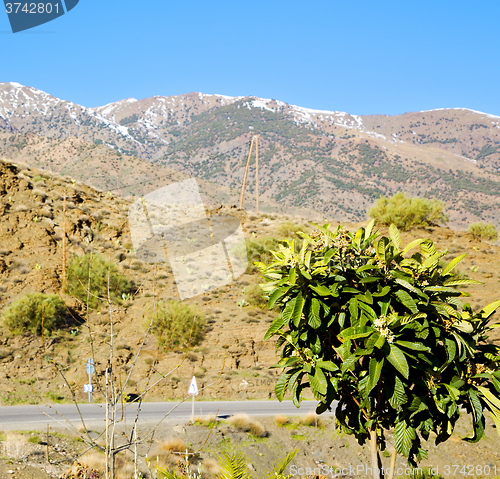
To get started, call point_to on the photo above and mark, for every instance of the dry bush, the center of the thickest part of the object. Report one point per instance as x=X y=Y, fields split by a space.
x=243 y=422
x=282 y=420
x=240 y=421
x=257 y=429
x=312 y=420
x=210 y=467
x=173 y=444
x=96 y=461
x=16 y=445
x=207 y=421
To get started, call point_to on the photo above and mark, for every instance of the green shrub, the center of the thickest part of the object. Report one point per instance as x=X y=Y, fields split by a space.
x=178 y=324
x=482 y=231
x=255 y=296
x=29 y=312
x=404 y=211
x=78 y=279
x=289 y=229
x=259 y=249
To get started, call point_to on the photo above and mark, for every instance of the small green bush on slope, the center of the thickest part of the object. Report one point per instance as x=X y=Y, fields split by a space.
x=178 y=324
x=32 y=312
x=78 y=279
x=405 y=211
x=482 y=231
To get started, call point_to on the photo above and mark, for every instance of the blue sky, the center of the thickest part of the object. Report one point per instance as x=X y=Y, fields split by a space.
x=363 y=57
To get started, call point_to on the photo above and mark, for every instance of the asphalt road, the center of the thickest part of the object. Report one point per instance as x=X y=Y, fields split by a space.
x=36 y=417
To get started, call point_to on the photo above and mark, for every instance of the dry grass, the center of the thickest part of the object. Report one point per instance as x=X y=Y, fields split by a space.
x=312 y=420
x=210 y=467
x=282 y=420
x=173 y=444
x=16 y=445
x=206 y=421
x=97 y=461
x=243 y=422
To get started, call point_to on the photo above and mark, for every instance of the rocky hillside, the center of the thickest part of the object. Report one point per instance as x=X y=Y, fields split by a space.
x=31 y=261
x=332 y=162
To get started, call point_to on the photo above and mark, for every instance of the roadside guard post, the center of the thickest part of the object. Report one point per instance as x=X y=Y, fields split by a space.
x=88 y=388
x=193 y=390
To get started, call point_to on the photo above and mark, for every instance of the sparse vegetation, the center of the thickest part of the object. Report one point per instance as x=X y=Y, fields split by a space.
x=255 y=296
x=178 y=324
x=404 y=211
x=35 y=312
x=243 y=422
x=483 y=231
x=94 y=270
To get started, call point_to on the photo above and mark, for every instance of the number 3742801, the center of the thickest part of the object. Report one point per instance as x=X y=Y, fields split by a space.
x=26 y=7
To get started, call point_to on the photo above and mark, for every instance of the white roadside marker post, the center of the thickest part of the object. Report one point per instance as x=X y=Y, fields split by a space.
x=193 y=390
x=90 y=370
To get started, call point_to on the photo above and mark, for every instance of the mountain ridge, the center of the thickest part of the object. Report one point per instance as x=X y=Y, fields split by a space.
x=329 y=161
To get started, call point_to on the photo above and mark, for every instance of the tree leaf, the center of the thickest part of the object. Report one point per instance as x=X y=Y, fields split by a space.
x=407 y=285
x=460 y=282
x=314 y=318
x=395 y=236
x=374 y=368
x=403 y=438
x=487 y=311
x=356 y=332
x=321 y=290
x=489 y=396
x=320 y=376
x=353 y=309
x=413 y=345
x=276 y=325
x=449 y=267
x=327 y=365
x=348 y=362
x=398 y=359
x=276 y=295
x=316 y=386
x=287 y=312
x=297 y=376
x=281 y=384
x=398 y=397
x=407 y=300
x=428 y=248
x=369 y=229
x=412 y=245
x=297 y=309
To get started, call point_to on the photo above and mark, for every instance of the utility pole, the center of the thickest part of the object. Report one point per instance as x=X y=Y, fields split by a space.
x=255 y=139
x=64 y=246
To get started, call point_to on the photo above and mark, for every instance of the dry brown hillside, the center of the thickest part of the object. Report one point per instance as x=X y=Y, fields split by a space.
x=31 y=260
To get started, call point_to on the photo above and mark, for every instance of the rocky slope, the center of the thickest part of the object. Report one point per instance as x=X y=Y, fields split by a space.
x=233 y=358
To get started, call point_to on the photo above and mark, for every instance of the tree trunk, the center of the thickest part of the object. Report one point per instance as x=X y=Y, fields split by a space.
x=393 y=463
x=374 y=451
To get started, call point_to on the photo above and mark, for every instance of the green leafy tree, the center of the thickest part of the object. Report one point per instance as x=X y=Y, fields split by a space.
x=383 y=333
x=405 y=211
